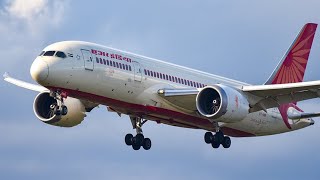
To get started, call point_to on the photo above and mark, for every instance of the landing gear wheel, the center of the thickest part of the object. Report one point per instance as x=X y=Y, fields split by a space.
x=146 y=144
x=219 y=135
x=64 y=110
x=135 y=146
x=139 y=139
x=57 y=113
x=208 y=136
x=128 y=139
x=226 y=142
x=215 y=142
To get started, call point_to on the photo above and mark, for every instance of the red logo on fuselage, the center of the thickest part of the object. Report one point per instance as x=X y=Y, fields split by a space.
x=111 y=55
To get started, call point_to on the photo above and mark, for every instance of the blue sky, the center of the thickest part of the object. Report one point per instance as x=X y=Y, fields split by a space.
x=243 y=40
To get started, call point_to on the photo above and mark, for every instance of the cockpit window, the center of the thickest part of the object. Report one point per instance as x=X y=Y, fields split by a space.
x=41 y=53
x=61 y=54
x=49 y=53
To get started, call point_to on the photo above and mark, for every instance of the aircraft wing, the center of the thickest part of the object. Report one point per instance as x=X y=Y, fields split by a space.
x=182 y=98
x=263 y=97
x=23 y=84
x=260 y=97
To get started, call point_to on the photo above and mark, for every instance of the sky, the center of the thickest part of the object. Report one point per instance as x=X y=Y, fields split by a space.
x=243 y=40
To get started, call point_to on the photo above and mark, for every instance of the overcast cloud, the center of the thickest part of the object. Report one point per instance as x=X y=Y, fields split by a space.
x=243 y=40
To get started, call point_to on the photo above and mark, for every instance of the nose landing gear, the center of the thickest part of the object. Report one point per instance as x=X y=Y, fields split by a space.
x=58 y=108
x=139 y=140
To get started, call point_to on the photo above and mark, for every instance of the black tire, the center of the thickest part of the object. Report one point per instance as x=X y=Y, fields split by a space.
x=215 y=142
x=64 y=110
x=128 y=139
x=146 y=144
x=226 y=142
x=208 y=136
x=139 y=139
x=219 y=135
x=57 y=112
x=215 y=145
x=135 y=146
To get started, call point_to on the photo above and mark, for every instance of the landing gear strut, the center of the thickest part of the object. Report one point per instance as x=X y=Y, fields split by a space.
x=58 y=108
x=217 y=139
x=139 y=140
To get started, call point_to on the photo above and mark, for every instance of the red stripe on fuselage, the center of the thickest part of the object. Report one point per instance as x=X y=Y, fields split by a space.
x=141 y=110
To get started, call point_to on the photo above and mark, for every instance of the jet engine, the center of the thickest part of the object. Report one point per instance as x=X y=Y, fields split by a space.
x=44 y=105
x=222 y=103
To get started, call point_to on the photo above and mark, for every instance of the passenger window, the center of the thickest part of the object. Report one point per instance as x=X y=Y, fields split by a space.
x=61 y=54
x=107 y=62
x=158 y=75
x=49 y=53
x=97 y=59
x=114 y=64
x=101 y=61
x=167 y=77
x=129 y=68
x=145 y=72
x=104 y=62
x=117 y=64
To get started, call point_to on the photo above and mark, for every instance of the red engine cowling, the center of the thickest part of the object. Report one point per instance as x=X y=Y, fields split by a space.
x=75 y=115
x=222 y=104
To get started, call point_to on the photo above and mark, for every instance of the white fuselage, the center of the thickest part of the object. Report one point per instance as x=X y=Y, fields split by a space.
x=128 y=84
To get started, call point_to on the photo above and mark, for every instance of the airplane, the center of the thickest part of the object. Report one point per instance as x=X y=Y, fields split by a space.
x=74 y=77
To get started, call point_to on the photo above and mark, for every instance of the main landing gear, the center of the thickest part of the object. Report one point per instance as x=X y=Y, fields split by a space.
x=57 y=107
x=139 y=140
x=217 y=139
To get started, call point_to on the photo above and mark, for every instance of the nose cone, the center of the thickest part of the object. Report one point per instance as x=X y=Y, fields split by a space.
x=39 y=70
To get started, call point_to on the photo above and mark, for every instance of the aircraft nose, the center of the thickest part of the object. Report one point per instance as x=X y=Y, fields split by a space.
x=39 y=70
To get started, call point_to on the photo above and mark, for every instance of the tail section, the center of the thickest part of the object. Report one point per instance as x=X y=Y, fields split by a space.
x=292 y=67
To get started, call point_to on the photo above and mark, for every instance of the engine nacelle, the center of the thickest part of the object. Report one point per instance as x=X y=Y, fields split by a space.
x=222 y=103
x=75 y=115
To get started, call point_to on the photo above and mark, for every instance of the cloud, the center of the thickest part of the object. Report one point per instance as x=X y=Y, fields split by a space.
x=28 y=23
x=26 y=10
x=35 y=14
